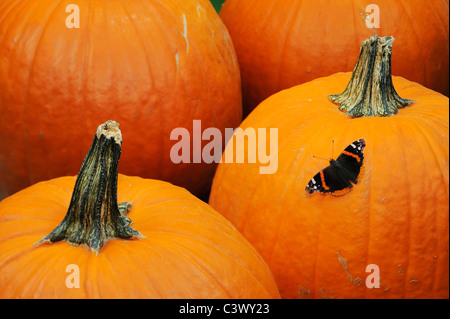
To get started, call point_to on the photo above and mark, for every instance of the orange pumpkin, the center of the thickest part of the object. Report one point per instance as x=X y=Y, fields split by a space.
x=182 y=248
x=280 y=43
x=152 y=65
x=396 y=217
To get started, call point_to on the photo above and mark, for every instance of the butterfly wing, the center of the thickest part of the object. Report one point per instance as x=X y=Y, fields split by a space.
x=350 y=161
x=338 y=177
x=329 y=180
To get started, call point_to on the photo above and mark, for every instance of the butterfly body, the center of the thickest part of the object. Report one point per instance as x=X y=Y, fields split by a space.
x=338 y=178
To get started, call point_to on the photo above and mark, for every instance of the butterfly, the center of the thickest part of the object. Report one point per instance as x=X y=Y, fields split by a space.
x=338 y=178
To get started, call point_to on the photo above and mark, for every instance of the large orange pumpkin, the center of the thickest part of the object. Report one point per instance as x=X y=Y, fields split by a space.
x=396 y=217
x=281 y=43
x=152 y=65
x=185 y=249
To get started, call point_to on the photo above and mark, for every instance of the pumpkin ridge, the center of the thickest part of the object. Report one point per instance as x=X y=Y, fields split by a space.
x=432 y=147
x=208 y=87
x=370 y=210
x=369 y=236
x=85 y=68
x=251 y=198
x=33 y=275
x=438 y=17
x=192 y=237
x=289 y=21
x=12 y=5
x=141 y=41
x=130 y=255
x=57 y=187
x=93 y=274
x=26 y=141
x=416 y=36
x=408 y=208
x=317 y=256
x=25 y=233
x=148 y=59
x=200 y=265
x=12 y=257
x=203 y=267
x=30 y=276
x=182 y=252
x=435 y=213
x=213 y=247
x=435 y=157
x=173 y=211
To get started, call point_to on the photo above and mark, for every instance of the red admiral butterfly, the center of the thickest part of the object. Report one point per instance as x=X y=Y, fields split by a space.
x=337 y=178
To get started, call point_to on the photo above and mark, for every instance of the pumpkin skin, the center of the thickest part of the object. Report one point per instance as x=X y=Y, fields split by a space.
x=280 y=43
x=152 y=65
x=188 y=250
x=397 y=216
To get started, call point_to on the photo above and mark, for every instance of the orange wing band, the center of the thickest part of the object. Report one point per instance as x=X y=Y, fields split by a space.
x=352 y=155
x=322 y=178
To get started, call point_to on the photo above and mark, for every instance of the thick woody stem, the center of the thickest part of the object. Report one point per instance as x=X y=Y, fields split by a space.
x=94 y=216
x=370 y=91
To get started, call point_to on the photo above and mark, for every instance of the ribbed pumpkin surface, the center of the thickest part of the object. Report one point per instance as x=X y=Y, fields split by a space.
x=151 y=65
x=189 y=250
x=281 y=43
x=397 y=216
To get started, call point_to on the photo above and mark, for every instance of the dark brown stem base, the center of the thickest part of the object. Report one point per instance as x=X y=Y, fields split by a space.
x=370 y=91
x=94 y=216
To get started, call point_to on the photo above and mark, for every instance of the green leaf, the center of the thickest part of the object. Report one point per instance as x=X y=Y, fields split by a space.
x=217 y=4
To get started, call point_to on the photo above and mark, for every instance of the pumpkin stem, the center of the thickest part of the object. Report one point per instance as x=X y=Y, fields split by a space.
x=94 y=216
x=370 y=91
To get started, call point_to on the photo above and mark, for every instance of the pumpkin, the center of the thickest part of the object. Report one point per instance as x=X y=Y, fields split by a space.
x=395 y=217
x=152 y=65
x=159 y=242
x=280 y=44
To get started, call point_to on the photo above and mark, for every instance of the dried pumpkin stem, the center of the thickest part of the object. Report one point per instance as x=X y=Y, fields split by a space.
x=370 y=91
x=94 y=216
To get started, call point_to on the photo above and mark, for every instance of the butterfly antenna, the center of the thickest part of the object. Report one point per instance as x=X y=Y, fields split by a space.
x=320 y=158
